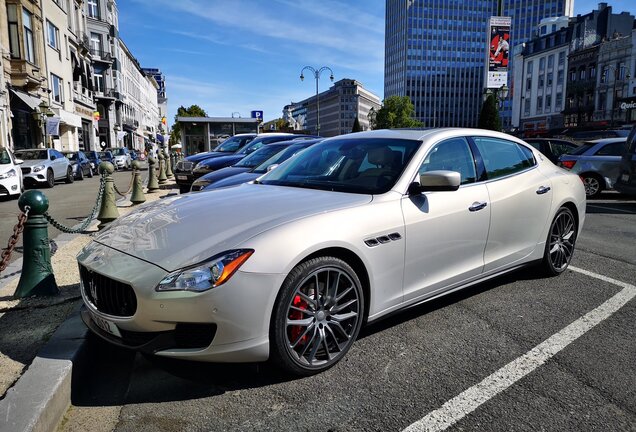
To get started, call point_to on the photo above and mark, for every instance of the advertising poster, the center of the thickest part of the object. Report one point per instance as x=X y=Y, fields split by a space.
x=498 y=52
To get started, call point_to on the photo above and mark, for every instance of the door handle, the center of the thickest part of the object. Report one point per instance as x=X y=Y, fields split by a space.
x=542 y=190
x=477 y=206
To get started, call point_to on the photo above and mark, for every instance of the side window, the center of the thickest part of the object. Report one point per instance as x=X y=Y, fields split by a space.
x=559 y=148
x=502 y=157
x=614 y=149
x=535 y=144
x=451 y=155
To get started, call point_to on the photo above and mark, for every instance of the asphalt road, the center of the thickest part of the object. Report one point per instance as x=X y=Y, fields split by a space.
x=469 y=360
x=69 y=204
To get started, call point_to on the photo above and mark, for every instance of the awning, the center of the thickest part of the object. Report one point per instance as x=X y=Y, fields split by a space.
x=31 y=101
x=68 y=118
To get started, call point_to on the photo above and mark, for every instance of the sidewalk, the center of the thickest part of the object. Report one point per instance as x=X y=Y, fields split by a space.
x=41 y=337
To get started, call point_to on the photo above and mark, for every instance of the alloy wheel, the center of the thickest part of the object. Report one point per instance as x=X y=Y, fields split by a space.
x=592 y=186
x=323 y=318
x=562 y=239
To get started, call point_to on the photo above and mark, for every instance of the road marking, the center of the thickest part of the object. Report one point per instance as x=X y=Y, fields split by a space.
x=469 y=400
x=611 y=208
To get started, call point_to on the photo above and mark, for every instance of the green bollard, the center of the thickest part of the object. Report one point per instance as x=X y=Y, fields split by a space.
x=108 y=209
x=169 y=173
x=153 y=185
x=137 y=196
x=162 y=168
x=37 y=277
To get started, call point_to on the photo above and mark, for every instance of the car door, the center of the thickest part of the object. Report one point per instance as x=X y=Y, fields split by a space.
x=60 y=164
x=446 y=232
x=520 y=197
x=607 y=160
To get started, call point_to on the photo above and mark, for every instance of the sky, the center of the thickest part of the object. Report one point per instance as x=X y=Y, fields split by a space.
x=234 y=56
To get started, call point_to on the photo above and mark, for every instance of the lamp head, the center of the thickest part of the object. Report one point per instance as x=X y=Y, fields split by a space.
x=331 y=77
x=302 y=77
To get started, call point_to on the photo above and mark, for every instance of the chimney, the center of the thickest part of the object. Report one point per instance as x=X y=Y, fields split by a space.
x=602 y=6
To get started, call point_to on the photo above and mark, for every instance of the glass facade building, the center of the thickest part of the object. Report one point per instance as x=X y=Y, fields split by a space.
x=435 y=53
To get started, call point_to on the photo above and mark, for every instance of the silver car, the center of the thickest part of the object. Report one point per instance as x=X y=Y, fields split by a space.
x=44 y=167
x=597 y=163
x=353 y=228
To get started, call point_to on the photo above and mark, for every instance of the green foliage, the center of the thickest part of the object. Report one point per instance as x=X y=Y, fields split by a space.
x=396 y=112
x=356 y=126
x=192 y=111
x=489 y=115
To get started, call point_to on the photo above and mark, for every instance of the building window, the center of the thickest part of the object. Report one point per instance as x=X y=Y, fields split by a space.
x=558 y=102
x=14 y=38
x=560 y=76
x=592 y=72
x=562 y=57
x=582 y=73
x=541 y=81
x=572 y=74
x=549 y=78
x=548 y=103
x=550 y=61
x=528 y=83
x=601 y=101
x=542 y=63
x=621 y=71
x=27 y=22
x=539 y=104
x=93 y=9
x=526 y=107
x=57 y=88
x=604 y=75
x=53 y=35
x=96 y=43
x=529 y=70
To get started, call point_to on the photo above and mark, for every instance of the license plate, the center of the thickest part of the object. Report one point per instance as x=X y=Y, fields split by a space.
x=182 y=177
x=107 y=326
x=625 y=178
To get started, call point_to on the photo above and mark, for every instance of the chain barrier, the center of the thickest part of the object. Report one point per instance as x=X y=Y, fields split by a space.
x=13 y=240
x=89 y=218
x=132 y=178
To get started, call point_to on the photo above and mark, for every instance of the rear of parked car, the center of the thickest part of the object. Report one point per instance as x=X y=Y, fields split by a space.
x=626 y=181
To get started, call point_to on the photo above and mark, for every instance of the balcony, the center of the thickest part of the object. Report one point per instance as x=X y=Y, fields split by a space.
x=101 y=55
x=107 y=93
x=25 y=74
x=85 y=42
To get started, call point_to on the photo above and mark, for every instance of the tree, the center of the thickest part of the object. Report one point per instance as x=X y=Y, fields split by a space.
x=356 y=126
x=192 y=111
x=489 y=115
x=396 y=112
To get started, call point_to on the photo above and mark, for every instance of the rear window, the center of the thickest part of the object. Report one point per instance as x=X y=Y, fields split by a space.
x=614 y=149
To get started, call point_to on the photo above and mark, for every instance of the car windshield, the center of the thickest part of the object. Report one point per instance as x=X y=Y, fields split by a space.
x=278 y=158
x=105 y=155
x=5 y=159
x=31 y=154
x=234 y=143
x=71 y=156
x=358 y=165
x=120 y=152
x=259 y=156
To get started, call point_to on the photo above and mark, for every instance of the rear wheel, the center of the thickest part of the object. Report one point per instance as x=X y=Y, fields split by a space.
x=50 y=178
x=593 y=185
x=69 y=175
x=317 y=316
x=80 y=175
x=559 y=246
x=90 y=172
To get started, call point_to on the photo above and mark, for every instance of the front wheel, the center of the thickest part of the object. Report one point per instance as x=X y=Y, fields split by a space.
x=50 y=178
x=90 y=172
x=317 y=316
x=80 y=171
x=559 y=246
x=69 y=175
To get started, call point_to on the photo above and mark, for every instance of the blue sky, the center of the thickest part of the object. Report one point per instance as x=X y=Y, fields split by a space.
x=240 y=55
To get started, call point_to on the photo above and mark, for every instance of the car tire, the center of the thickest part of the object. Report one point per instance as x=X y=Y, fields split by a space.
x=184 y=189
x=90 y=172
x=50 y=178
x=70 y=178
x=329 y=316
x=80 y=176
x=593 y=185
x=559 y=246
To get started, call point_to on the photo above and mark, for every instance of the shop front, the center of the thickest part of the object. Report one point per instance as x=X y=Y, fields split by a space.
x=27 y=129
x=627 y=109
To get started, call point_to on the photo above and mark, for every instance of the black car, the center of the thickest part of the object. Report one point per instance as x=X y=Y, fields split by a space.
x=626 y=181
x=552 y=148
x=80 y=164
x=183 y=169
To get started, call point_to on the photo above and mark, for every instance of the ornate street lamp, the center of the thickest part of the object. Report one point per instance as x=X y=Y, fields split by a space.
x=317 y=77
x=40 y=114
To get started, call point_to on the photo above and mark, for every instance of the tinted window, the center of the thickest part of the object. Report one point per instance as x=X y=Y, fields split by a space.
x=233 y=144
x=559 y=147
x=259 y=156
x=31 y=154
x=502 y=158
x=614 y=149
x=451 y=155
x=535 y=144
x=4 y=157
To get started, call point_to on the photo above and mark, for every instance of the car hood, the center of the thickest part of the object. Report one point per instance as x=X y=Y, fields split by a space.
x=223 y=173
x=220 y=161
x=34 y=162
x=186 y=229
x=237 y=179
x=201 y=156
x=8 y=167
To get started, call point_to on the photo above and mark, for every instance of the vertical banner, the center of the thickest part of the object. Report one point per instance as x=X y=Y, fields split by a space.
x=498 y=51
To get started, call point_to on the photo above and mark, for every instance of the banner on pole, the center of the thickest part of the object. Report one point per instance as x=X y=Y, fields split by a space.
x=53 y=126
x=498 y=51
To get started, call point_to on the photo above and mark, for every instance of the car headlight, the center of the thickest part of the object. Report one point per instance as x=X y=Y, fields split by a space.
x=206 y=275
x=38 y=168
x=10 y=173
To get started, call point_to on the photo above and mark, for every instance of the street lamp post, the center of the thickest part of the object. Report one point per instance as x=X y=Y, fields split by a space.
x=41 y=113
x=317 y=76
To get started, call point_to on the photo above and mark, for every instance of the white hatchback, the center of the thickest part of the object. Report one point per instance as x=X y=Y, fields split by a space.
x=11 y=183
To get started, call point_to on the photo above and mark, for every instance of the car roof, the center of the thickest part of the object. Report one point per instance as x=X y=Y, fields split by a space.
x=606 y=140
x=425 y=134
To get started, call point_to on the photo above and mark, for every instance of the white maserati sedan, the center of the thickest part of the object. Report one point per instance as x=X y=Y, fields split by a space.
x=289 y=267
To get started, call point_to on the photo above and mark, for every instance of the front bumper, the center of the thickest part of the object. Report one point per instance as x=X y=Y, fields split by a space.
x=238 y=312
x=10 y=186
x=34 y=177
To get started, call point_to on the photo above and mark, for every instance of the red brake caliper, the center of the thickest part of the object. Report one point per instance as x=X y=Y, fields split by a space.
x=296 y=331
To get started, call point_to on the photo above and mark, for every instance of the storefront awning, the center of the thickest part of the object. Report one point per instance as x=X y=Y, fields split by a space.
x=31 y=101
x=68 y=118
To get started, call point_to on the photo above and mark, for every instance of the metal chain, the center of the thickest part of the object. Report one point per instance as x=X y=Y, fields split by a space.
x=129 y=186
x=89 y=218
x=13 y=240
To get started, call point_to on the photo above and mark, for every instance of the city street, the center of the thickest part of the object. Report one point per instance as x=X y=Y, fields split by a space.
x=428 y=367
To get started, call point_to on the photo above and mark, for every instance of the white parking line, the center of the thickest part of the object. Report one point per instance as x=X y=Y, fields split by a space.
x=611 y=208
x=469 y=400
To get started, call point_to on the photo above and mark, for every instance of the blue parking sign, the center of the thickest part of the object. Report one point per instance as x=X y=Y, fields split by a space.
x=257 y=115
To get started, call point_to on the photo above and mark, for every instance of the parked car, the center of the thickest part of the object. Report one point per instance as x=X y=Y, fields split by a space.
x=626 y=180
x=44 y=167
x=80 y=164
x=121 y=158
x=263 y=168
x=248 y=163
x=183 y=169
x=133 y=155
x=107 y=156
x=597 y=162
x=11 y=183
x=350 y=230
x=597 y=134
x=94 y=159
x=552 y=148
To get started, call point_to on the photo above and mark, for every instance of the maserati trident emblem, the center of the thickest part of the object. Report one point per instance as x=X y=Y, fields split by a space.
x=93 y=290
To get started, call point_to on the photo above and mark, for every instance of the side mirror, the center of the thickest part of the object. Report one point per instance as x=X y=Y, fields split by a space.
x=436 y=181
x=19 y=161
x=271 y=167
x=53 y=157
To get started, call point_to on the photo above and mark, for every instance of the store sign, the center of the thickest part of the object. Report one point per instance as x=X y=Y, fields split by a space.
x=628 y=105
x=498 y=52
